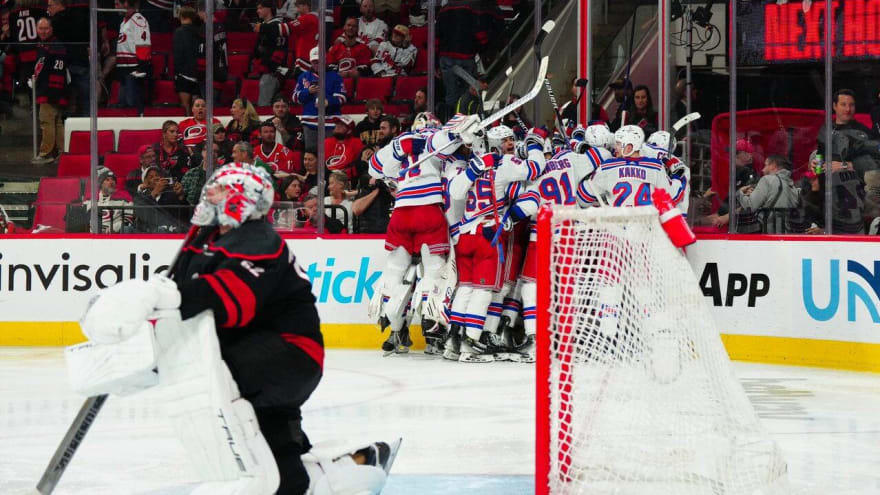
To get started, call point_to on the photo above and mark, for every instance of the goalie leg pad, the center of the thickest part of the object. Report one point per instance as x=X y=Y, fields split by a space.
x=219 y=430
x=396 y=290
x=530 y=300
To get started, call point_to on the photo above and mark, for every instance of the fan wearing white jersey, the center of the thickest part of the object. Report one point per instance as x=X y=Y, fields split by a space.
x=556 y=185
x=490 y=185
x=629 y=179
x=661 y=145
x=418 y=225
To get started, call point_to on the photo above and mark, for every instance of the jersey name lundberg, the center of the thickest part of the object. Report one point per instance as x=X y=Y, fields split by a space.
x=560 y=164
x=632 y=173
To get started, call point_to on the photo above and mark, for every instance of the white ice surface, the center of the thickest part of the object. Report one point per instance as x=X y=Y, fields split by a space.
x=467 y=428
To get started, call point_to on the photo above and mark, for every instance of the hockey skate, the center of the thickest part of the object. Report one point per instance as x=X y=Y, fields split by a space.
x=398 y=342
x=453 y=343
x=501 y=344
x=476 y=351
x=434 y=337
x=525 y=352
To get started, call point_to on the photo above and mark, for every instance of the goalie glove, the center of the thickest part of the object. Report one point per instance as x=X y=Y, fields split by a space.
x=119 y=311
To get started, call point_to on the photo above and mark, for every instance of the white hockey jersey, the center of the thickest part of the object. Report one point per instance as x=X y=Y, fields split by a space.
x=676 y=167
x=488 y=196
x=557 y=183
x=393 y=60
x=416 y=185
x=454 y=208
x=627 y=182
x=372 y=33
x=133 y=41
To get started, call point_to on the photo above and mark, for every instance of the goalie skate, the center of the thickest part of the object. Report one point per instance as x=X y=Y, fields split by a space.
x=398 y=342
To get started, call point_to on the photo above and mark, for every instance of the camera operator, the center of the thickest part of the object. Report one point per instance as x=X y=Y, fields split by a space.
x=774 y=193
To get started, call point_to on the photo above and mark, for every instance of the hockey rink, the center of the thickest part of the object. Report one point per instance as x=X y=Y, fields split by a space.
x=466 y=428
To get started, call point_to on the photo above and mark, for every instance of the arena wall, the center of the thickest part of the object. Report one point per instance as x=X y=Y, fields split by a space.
x=791 y=300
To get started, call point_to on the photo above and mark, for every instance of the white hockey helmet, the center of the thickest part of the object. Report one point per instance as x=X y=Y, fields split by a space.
x=425 y=120
x=663 y=140
x=233 y=194
x=628 y=140
x=497 y=135
x=599 y=136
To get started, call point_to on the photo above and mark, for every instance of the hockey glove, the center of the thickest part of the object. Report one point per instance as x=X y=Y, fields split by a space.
x=476 y=167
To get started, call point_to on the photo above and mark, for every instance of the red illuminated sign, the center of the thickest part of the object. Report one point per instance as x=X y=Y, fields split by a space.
x=792 y=34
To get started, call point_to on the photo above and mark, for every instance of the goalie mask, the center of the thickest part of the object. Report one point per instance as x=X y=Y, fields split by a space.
x=501 y=139
x=234 y=194
x=425 y=120
x=663 y=140
x=599 y=136
x=628 y=140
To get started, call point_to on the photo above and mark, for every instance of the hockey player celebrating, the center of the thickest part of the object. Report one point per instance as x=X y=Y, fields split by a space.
x=235 y=387
x=629 y=179
x=661 y=145
x=490 y=185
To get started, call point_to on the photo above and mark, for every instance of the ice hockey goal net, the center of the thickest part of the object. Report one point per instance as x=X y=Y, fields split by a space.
x=635 y=392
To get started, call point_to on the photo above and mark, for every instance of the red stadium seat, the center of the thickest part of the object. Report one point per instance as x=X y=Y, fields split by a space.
x=70 y=165
x=79 y=142
x=354 y=109
x=59 y=189
x=113 y=97
x=132 y=139
x=161 y=42
x=121 y=164
x=349 y=83
x=51 y=215
x=406 y=86
x=287 y=90
x=241 y=42
x=373 y=87
x=239 y=65
x=250 y=89
x=421 y=66
x=164 y=93
x=419 y=37
x=164 y=111
x=159 y=62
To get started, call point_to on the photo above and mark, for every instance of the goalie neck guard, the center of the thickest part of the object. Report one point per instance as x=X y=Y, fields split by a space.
x=234 y=194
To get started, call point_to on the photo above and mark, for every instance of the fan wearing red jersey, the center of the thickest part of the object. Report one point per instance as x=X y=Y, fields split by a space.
x=304 y=33
x=349 y=56
x=192 y=130
x=276 y=155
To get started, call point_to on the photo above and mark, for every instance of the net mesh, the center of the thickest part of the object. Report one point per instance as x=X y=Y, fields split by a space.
x=643 y=398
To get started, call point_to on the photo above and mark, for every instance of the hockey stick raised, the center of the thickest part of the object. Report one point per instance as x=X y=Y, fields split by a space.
x=687 y=119
x=87 y=414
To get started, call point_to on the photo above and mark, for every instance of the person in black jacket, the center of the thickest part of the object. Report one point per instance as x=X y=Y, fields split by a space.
x=50 y=81
x=270 y=54
x=70 y=24
x=221 y=55
x=185 y=56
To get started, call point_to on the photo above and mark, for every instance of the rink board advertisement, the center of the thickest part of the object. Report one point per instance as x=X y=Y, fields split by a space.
x=814 y=303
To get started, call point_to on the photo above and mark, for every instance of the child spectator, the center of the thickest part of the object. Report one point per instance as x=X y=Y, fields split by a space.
x=133 y=55
x=51 y=87
x=306 y=94
x=245 y=123
x=396 y=57
x=275 y=154
x=270 y=54
x=193 y=130
x=170 y=155
x=288 y=127
x=342 y=149
x=186 y=43
x=304 y=31
x=368 y=128
x=349 y=56
x=371 y=30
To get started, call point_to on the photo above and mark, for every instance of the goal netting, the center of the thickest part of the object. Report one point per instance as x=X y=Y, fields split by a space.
x=636 y=394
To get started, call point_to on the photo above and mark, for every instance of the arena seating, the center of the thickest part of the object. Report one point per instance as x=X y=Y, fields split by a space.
x=121 y=164
x=406 y=86
x=132 y=139
x=79 y=142
x=373 y=87
x=72 y=165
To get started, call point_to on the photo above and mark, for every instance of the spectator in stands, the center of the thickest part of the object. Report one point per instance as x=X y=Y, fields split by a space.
x=853 y=142
x=133 y=55
x=171 y=156
x=623 y=97
x=273 y=153
x=270 y=54
x=292 y=189
x=679 y=110
x=21 y=51
x=288 y=207
x=342 y=149
x=245 y=123
x=159 y=14
x=193 y=130
x=243 y=152
x=146 y=159
x=117 y=219
x=372 y=207
x=514 y=118
x=306 y=94
x=848 y=207
x=160 y=200
x=371 y=30
x=569 y=110
x=643 y=114
x=225 y=145
x=744 y=176
x=339 y=195
x=288 y=127
x=349 y=56
x=51 y=87
x=460 y=34
x=419 y=105
x=397 y=56
x=186 y=43
x=195 y=177
x=774 y=190
x=368 y=128
x=221 y=54
x=469 y=103
x=304 y=32
x=67 y=23
x=310 y=172
x=311 y=212
x=240 y=14
x=875 y=114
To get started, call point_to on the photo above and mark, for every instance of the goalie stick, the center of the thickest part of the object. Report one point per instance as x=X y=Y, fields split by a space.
x=86 y=416
x=542 y=73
